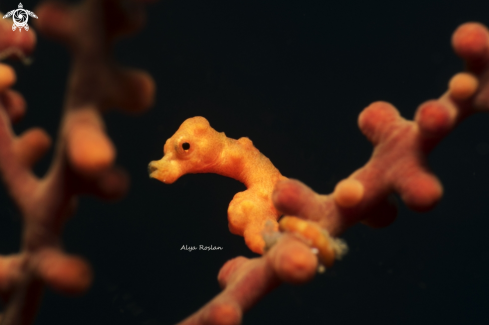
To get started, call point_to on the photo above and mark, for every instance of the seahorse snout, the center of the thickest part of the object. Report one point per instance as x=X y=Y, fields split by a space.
x=151 y=168
x=165 y=170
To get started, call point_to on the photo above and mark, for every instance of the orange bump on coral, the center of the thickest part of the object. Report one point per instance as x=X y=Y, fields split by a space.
x=66 y=274
x=197 y=148
x=133 y=90
x=462 y=86
x=90 y=150
x=14 y=104
x=7 y=77
x=470 y=41
x=348 y=193
x=435 y=118
x=31 y=146
x=328 y=248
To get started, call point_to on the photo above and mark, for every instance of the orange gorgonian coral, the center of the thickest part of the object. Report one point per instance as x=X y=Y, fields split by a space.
x=84 y=157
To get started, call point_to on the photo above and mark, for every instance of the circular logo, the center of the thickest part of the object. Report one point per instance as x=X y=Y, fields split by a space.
x=20 y=17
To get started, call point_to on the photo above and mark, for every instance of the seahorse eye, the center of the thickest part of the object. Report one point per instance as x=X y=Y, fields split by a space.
x=185 y=146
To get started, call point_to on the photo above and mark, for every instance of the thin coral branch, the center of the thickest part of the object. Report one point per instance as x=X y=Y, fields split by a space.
x=245 y=281
x=398 y=163
x=84 y=156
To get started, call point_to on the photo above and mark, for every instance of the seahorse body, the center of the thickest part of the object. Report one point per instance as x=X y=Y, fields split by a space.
x=197 y=148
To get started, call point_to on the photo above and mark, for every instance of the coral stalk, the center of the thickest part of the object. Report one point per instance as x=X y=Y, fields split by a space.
x=84 y=155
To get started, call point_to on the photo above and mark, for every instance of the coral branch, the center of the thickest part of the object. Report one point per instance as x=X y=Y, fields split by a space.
x=84 y=157
x=398 y=163
x=246 y=281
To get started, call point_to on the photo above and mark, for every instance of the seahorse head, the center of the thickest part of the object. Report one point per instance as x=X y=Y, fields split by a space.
x=193 y=148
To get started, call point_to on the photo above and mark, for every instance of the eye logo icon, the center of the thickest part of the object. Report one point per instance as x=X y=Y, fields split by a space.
x=20 y=17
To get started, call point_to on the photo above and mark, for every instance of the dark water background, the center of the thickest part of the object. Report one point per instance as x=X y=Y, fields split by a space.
x=293 y=77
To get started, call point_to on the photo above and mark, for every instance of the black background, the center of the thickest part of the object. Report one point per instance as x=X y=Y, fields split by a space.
x=293 y=77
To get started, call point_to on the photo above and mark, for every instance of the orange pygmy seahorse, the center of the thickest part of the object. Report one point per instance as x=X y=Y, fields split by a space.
x=197 y=148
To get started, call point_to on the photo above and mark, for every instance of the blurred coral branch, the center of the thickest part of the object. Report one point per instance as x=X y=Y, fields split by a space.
x=83 y=162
